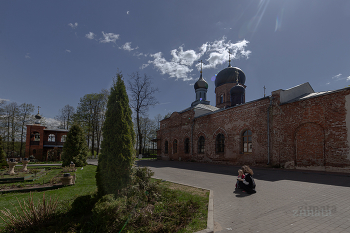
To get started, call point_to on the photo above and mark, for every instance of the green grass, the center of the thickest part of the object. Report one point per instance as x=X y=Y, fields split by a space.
x=45 y=162
x=200 y=196
x=78 y=200
x=137 y=159
x=85 y=184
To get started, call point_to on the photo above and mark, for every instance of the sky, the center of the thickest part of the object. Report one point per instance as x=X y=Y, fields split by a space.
x=52 y=53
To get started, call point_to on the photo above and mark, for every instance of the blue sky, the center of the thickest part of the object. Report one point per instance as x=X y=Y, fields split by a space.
x=54 y=52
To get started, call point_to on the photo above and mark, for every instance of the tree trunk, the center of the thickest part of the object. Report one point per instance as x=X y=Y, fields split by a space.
x=139 y=133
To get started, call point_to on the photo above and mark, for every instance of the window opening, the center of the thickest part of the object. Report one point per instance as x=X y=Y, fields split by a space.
x=51 y=138
x=36 y=136
x=175 y=147
x=201 y=142
x=64 y=138
x=187 y=145
x=166 y=147
x=220 y=143
x=247 y=141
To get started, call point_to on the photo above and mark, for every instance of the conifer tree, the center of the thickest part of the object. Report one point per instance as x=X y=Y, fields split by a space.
x=75 y=148
x=116 y=158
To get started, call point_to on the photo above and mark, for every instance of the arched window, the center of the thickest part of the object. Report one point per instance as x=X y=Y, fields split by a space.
x=220 y=143
x=51 y=138
x=221 y=99
x=175 y=147
x=201 y=142
x=36 y=136
x=247 y=141
x=187 y=145
x=166 y=147
x=64 y=138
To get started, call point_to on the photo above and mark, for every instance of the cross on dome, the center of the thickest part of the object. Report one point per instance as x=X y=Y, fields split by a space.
x=201 y=65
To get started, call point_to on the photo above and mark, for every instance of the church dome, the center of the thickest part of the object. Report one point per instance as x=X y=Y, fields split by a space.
x=201 y=83
x=228 y=75
x=238 y=89
x=37 y=116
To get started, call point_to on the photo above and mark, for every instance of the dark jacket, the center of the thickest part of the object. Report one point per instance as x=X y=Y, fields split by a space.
x=248 y=184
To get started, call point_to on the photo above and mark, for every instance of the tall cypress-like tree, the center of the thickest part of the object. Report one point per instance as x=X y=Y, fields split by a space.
x=116 y=158
x=75 y=148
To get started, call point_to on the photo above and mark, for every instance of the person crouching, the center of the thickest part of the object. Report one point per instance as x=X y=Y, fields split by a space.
x=247 y=183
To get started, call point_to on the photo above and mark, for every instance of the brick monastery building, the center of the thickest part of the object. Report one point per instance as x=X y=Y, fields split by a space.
x=296 y=126
x=43 y=143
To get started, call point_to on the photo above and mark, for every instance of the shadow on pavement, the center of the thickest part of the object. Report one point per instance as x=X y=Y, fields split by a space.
x=267 y=174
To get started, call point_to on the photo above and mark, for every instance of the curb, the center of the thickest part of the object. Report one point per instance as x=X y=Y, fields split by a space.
x=33 y=189
x=210 y=219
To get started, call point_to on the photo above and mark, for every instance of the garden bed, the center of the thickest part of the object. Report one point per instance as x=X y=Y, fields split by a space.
x=44 y=180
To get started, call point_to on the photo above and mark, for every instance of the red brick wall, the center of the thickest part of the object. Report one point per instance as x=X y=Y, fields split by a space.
x=223 y=90
x=305 y=125
x=41 y=152
x=311 y=132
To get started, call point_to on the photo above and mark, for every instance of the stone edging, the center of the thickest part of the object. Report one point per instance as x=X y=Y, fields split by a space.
x=210 y=219
x=32 y=189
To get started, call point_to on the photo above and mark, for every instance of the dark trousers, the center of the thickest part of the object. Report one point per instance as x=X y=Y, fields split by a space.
x=248 y=188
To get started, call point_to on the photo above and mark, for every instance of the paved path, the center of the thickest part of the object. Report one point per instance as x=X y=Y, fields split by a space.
x=286 y=201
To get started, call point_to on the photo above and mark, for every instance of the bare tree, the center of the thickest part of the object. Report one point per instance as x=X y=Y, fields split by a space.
x=12 y=115
x=91 y=115
x=142 y=96
x=65 y=116
x=25 y=111
x=158 y=118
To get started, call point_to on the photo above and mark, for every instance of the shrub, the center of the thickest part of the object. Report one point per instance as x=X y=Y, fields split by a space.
x=109 y=214
x=82 y=205
x=31 y=216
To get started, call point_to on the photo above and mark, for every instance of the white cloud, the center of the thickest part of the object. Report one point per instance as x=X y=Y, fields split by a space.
x=216 y=52
x=74 y=26
x=337 y=77
x=5 y=100
x=137 y=54
x=184 y=57
x=51 y=122
x=328 y=83
x=68 y=51
x=173 y=69
x=127 y=12
x=27 y=56
x=109 y=37
x=90 y=35
x=143 y=66
x=127 y=47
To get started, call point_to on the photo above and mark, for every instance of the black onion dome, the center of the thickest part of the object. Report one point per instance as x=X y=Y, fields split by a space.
x=37 y=116
x=201 y=83
x=228 y=75
x=238 y=89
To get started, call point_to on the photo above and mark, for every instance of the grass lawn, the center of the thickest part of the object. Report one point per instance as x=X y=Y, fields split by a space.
x=86 y=185
x=201 y=196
